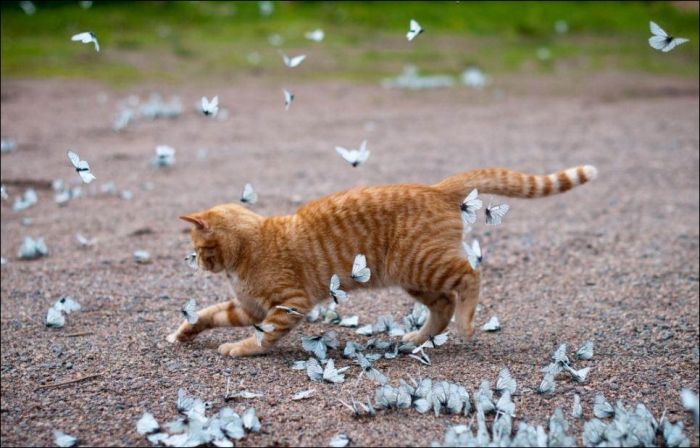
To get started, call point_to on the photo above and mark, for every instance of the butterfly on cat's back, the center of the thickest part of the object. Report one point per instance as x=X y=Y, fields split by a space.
x=407 y=235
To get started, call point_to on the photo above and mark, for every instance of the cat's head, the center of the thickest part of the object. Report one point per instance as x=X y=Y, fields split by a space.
x=223 y=235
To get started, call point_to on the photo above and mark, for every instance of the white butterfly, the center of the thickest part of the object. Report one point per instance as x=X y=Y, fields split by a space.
x=294 y=61
x=496 y=213
x=260 y=331
x=64 y=440
x=414 y=29
x=578 y=375
x=367 y=369
x=505 y=405
x=360 y=271
x=340 y=440
x=189 y=311
x=586 y=351
x=304 y=394
x=505 y=381
x=473 y=252
x=338 y=295
x=191 y=260
x=290 y=310
x=350 y=321
x=354 y=157
x=3 y=193
x=492 y=325
x=315 y=35
x=288 y=98
x=250 y=420
x=55 y=318
x=165 y=156
x=147 y=424
x=85 y=242
x=432 y=342
x=547 y=385
x=423 y=358
x=365 y=330
x=81 y=167
x=210 y=108
x=67 y=305
x=330 y=374
x=690 y=402
x=32 y=249
x=28 y=199
x=661 y=40
x=86 y=38
x=142 y=256
x=560 y=357
x=469 y=206
x=576 y=409
x=249 y=196
x=601 y=407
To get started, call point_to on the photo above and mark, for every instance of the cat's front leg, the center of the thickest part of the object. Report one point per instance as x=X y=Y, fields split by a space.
x=275 y=326
x=227 y=314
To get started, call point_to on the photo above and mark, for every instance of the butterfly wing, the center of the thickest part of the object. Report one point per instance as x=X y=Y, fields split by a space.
x=249 y=196
x=656 y=30
x=82 y=37
x=189 y=310
x=55 y=318
x=472 y=257
x=74 y=159
x=440 y=339
x=295 y=61
x=147 y=424
x=345 y=154
x=87 y=176
x=496 y=214
x=658 y=42
x=673 y=44
x=360 y=271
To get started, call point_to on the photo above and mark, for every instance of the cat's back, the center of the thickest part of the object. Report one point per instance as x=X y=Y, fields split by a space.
x=374 y=221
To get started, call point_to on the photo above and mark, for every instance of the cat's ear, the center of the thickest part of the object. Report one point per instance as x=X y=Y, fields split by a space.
x=199 y=223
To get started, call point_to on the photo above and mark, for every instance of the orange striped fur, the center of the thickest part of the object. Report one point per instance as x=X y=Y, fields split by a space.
x=410 y=234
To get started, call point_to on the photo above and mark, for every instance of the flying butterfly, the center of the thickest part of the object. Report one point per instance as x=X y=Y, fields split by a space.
x=354 y=157
x=474 y=256
x=189 y=311
x=249 y=196
x=210 y=108
x=293 y=61
x=360 y=271
x=414 y=29
x=81 y=167
x=496 y=213
x=260 y=331
x=86 y=38
x=147 y=424
x=469 y=206
x=660 y=40
x=316 y=35
x=338 y=295
x=288 y=98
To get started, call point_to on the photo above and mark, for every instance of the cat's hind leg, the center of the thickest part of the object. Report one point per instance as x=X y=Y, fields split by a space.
x=441 y=308
x=276 y=325
x=226 y=314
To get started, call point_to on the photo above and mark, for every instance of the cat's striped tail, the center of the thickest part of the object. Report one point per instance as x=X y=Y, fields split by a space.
x=513 y=184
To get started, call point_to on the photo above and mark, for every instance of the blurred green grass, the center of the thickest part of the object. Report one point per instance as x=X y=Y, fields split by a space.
x=178 y=41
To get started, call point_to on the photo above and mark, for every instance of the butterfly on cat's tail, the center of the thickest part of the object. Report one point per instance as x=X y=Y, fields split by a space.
x=505 y=182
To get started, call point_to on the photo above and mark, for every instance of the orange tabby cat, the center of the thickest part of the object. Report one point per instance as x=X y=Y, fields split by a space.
x=410 y=234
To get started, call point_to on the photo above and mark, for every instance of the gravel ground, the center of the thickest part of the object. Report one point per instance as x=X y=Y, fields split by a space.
x=615 y=261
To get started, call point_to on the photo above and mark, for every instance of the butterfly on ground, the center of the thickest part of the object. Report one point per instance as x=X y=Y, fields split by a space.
x=496 y=213
x=249 y=196
x=147 y=424
x=81 y=167
x=189 y=311
x=473 y=252
x=469 y=206
x=414 y=29
x=338 y=295
x=660 y=40
x=165 y=156
x=84 y=242
x=369 y=370
x=210 y=108
x=303 y=395
x=191 y=260
x=260 y=331
x=360 y=271
x=64 y=440
x=293 y=61
x=354 y=157
x=86 y=38
x=316 y=35
x=505 y=382
x=288 y=98
x=329 y=374
x=432 y=342
x=492 y=325
x=586 y=351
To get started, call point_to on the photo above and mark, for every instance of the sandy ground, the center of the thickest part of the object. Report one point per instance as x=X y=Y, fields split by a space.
x=615 y=261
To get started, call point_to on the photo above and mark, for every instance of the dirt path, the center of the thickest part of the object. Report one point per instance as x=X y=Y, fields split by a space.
x=615 y=261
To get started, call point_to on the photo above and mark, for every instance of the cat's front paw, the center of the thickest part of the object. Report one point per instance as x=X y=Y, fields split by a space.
x=415 y=336
x=182 y=334
x=246 y=347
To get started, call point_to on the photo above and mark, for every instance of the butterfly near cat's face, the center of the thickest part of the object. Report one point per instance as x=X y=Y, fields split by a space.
x=206 y=243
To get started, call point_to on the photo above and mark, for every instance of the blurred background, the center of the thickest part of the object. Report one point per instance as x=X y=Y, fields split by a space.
x=364 y=41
